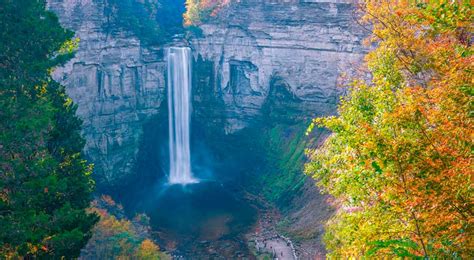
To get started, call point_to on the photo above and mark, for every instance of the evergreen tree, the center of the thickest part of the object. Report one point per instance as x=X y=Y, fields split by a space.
x=45 y=184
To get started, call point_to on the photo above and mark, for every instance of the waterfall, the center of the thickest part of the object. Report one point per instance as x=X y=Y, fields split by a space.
x=179 y=110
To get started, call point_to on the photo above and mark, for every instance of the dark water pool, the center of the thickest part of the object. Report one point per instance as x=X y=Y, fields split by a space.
x=208 y=219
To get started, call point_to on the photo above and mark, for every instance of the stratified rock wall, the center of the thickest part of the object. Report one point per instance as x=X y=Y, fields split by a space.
x=253 y=48
x=116 y=81
x=281 y=62
x=306 y=44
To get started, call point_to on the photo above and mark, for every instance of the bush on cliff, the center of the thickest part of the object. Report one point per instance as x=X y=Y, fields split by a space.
x=198 y=11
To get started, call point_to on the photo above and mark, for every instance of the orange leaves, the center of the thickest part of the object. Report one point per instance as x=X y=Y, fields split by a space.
x=148 y=250
x=199 y=10
x=402 y=151
x=108 y=200
x=115 y=236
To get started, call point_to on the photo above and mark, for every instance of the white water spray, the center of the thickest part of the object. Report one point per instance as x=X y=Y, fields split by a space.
x=179 y=110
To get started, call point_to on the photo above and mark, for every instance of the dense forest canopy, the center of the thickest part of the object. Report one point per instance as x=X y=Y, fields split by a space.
x=400 y=158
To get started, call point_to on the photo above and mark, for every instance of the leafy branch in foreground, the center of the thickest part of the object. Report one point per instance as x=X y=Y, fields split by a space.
x=400 y=160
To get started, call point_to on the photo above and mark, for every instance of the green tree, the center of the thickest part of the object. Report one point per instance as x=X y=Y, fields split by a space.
x=45 y=184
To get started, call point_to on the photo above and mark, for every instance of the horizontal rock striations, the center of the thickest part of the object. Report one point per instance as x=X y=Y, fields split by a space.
x=304 y=45
x=117 y=82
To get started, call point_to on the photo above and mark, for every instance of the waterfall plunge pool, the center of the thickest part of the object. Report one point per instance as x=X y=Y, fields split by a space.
x=191 y=219
x=196 y=221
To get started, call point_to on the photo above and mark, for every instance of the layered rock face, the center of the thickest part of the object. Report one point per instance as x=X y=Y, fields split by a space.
x=253 y=49
x=272 y=58
x=281 y=62
x=116 y=81
x=299 y=45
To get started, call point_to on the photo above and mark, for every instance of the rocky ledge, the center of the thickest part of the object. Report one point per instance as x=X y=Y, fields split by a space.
x=303 y=45
x=116 y=80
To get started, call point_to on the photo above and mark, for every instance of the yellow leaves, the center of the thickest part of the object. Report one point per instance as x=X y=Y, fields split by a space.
x=197 y=10
x=192 y=15
x=402 y=148
x=148 y=245
x=148 y=250
x=69 y=46
x=68 y=102
x=114 y=236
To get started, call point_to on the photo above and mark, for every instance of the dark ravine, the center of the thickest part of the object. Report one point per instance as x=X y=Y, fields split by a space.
x=262 y=70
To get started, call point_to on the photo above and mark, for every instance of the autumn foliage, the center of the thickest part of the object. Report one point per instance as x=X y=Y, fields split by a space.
x=400 y=158
x=116 y=237
x=199 y=10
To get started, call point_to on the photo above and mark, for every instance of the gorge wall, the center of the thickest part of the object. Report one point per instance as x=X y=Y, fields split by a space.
x=270 y=67
x=302 y=46
x=116 y=80
x=262 y=70
x=255 y=59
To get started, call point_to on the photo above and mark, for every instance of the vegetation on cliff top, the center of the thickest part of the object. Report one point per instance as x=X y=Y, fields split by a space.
x=400 y=157
x=45 y=184
x=198 y=11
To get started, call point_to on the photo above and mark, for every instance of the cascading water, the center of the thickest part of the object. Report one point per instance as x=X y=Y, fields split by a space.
x=179 y=110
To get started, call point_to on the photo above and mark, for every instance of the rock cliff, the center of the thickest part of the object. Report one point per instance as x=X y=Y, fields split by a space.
x=268 y=61
x=273 y=65
x=251 y=50
x=299 y=45
x=116 y=80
